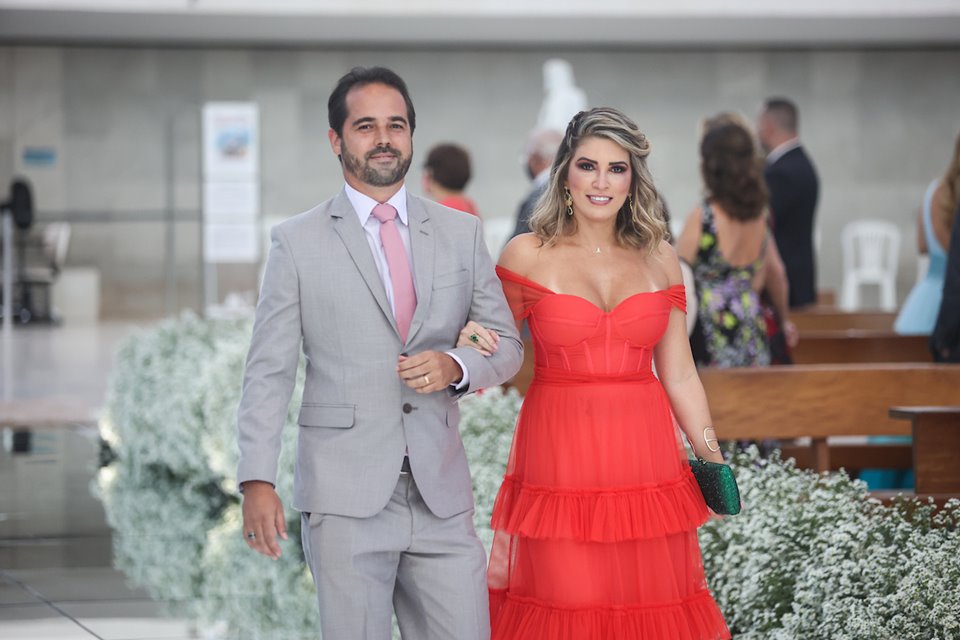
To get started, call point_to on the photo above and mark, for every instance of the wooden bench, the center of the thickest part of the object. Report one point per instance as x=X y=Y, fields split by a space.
x=936 y=446
x=819 y=319
x=820 y=401
x=859 y=346
x=826 y=298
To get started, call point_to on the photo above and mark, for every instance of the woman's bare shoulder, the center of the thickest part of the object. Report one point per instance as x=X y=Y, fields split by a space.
x=521 y=253
x=666 y=264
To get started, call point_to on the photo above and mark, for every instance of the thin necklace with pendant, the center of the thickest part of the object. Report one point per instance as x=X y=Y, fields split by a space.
x=594 y=252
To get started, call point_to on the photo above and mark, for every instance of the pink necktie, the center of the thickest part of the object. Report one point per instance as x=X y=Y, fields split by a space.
x=404 y=295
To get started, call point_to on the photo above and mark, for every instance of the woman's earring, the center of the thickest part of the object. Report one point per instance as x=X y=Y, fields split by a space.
x=568 y=200
x=630 y=201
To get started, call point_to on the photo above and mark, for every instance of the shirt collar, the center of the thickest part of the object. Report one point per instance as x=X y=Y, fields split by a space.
x=782 y=149
x=363 y=204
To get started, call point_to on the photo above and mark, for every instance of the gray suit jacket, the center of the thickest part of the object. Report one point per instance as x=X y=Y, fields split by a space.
x=321 y=288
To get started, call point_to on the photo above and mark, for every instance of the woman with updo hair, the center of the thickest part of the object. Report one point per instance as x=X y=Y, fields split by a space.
x=595 y=525
x=734 y=257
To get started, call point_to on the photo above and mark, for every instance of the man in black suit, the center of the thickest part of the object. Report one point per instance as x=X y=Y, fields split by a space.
x=794 y=188
x=540 y=152
x=945 y=340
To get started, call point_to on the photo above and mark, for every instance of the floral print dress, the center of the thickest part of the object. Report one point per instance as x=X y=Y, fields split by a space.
x=730 y=315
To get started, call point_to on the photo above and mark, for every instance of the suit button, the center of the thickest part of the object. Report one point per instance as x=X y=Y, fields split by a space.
x=407 y=407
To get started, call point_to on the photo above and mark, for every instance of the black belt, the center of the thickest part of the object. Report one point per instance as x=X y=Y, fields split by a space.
x=405 y=465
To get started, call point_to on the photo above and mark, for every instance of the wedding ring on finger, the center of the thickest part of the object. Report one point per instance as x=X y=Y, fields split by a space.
x=474 y=338
x=251 y=536
x=426 y=378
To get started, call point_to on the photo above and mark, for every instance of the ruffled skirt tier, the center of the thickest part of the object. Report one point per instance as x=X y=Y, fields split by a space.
x=595 y=524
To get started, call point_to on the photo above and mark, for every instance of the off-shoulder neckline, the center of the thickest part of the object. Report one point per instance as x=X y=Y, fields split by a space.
x=536 y=285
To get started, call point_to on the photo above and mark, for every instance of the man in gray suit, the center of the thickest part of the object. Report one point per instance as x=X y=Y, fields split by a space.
x=376 y=285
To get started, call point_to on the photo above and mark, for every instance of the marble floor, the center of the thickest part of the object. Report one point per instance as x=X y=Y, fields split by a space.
x=57 y=579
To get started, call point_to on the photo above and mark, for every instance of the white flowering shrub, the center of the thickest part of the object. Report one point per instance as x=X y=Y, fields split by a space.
x=811 y=556
x=265 y=599
x=170 y=492
x=487 y=420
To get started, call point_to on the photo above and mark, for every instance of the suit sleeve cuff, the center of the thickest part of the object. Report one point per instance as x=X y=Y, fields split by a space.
x=465 y=380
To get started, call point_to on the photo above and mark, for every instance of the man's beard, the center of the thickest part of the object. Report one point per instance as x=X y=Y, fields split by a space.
x=368 y=174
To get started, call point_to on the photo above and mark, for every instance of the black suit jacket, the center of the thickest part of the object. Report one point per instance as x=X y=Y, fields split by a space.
x=526 y=210
x=794 y=189
x=945 y=339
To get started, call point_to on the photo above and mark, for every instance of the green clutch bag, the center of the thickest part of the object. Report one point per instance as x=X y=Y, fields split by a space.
x=718 y=486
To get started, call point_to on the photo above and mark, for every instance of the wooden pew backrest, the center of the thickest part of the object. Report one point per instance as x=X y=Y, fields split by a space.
x=823 y=400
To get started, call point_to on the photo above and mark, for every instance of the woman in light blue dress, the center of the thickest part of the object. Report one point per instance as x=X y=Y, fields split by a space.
x=919 y=312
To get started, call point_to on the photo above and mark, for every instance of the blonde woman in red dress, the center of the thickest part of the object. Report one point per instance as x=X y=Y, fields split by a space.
x=596 y=521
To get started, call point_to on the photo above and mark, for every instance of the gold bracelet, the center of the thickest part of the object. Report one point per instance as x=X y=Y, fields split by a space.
x=707 y=440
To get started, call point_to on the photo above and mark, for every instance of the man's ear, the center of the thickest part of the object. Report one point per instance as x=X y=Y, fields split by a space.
x=335 y=141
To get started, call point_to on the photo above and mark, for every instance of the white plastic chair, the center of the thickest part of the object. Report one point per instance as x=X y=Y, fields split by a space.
x=871 y=255
x=55 y=243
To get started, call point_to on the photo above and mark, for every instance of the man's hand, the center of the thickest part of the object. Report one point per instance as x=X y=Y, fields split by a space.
x=429 y=371
x=263 y=518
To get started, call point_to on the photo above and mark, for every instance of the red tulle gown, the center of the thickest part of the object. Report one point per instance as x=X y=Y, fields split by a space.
x=596 y=521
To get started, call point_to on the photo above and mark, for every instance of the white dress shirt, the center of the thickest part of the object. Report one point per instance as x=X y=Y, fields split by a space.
x=781 y=149
x=363 y=206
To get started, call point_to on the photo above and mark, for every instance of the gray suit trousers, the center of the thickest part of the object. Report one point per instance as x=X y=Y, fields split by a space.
x=431 y=570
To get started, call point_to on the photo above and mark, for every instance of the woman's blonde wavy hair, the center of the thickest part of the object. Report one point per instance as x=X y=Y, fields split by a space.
x=640 y=221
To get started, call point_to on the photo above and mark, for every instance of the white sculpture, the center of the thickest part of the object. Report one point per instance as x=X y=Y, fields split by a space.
x=562 y=99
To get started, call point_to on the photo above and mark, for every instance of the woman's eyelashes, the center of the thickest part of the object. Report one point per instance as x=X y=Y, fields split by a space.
x=589 y=166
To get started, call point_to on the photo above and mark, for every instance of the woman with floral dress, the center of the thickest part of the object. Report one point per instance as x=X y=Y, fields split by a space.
x=734 y=257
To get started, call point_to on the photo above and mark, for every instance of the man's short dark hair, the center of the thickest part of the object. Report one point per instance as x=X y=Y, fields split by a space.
x=449 y=166
x=359 y=77
x=783 y=112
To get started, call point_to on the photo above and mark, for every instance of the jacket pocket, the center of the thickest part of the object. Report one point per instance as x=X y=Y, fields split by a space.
x=451 y=279
x=338 y=416
x=453 y=416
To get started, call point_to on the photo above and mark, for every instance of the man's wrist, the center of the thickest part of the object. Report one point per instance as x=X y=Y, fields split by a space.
x=247 y=484
x=464 y=380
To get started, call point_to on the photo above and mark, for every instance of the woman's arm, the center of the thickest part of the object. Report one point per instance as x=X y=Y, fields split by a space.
x=777 y=285
x=517 y=256
x=775 y=280
x=689 y=239
x=678 y=374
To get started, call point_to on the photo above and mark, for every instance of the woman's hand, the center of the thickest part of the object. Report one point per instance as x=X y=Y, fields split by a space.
x=483 y=340
x=791 y=334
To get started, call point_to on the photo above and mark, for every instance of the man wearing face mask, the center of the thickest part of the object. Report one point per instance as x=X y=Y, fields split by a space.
x=540 y=152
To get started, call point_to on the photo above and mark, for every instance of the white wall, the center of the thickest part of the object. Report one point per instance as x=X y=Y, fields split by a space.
x=879 y=125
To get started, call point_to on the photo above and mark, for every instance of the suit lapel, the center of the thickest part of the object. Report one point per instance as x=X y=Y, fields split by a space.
x=422 y=247
x=354 y=238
